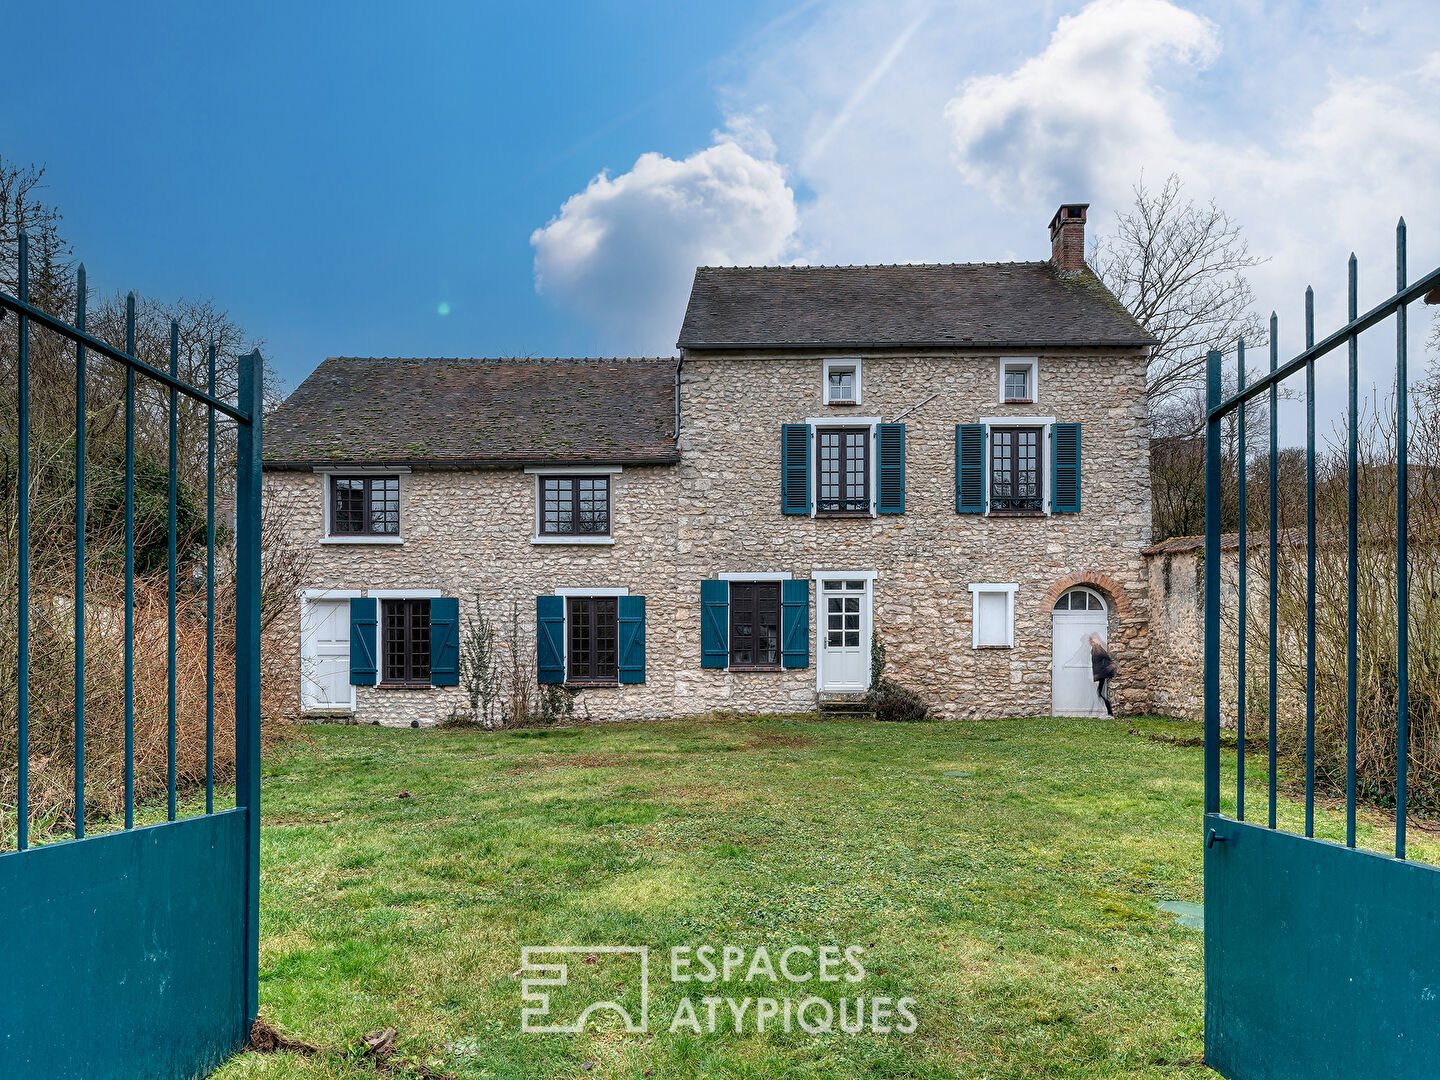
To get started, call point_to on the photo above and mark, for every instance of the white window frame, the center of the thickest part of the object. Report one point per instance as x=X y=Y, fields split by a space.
x=839 y=362
x=1044 y=423
x=991 y=588
x=542 y=471
x=1030 y=362
x=326 y=472
x=818 y=422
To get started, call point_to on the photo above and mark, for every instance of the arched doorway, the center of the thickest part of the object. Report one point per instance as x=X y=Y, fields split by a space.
x=1078 y=613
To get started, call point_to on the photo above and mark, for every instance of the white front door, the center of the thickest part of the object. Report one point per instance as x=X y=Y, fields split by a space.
x=844 y=634
x=1078 y=614
x=325 y=655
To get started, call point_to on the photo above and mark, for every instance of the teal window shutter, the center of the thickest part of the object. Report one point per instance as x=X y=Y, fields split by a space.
x=550 y=639
x=362 y=640
x=970 y=468
x=1065 y=470
x=795 y=623
x=630 y=619
x=795 y=443
x=890 y=473
x=445 y=641
x=715 y=624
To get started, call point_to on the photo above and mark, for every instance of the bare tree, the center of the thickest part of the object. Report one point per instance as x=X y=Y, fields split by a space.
x=1179 y=267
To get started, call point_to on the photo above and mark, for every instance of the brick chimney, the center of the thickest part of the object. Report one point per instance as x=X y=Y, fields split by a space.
x=1067 y=238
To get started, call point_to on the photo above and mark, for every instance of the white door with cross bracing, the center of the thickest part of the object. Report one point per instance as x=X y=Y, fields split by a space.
x=325 y=655
x=844 y=633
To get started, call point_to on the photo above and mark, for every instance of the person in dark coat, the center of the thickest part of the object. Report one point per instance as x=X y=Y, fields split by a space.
x=1102 y=670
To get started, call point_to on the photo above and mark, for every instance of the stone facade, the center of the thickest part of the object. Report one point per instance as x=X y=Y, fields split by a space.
x=469 y=532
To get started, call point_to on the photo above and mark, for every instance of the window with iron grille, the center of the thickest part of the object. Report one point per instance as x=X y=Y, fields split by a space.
x=593 y=633
x=405 y=642
x=843 y=476
x=754 y=624
x=574 y=506
x=364 y=506
x=1015 y=481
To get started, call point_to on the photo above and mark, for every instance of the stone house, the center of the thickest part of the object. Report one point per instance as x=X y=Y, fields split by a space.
x=949 y=459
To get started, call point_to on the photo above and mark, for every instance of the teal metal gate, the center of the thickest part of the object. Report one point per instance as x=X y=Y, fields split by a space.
x=134 y=953
x=1321 y=960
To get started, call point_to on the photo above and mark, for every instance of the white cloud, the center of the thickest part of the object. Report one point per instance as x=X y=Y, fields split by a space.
x=1073 y=118
x=917 y=130
x=623 y=251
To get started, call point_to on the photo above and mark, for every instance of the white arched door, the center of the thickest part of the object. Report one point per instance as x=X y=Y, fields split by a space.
x=1079 y=613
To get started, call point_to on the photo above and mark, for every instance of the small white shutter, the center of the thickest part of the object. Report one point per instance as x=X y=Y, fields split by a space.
x=992 y=610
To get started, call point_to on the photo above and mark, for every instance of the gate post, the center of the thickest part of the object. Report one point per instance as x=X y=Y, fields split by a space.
x=1212 y=583
x=247 y=660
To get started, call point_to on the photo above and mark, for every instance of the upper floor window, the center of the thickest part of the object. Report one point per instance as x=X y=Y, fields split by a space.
x=575 y=506
x=405 y=630
x=1015 y=464
x=843 y=475
x=364 y=506
x=1017 y=381
x=842 y=382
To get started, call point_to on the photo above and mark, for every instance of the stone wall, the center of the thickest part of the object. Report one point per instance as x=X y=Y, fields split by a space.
x=469 y=532
x=1177 y=628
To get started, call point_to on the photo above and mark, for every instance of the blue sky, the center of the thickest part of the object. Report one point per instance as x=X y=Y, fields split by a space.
x=333 y=174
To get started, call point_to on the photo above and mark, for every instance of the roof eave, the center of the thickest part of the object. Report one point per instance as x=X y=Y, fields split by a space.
x=891 y=346
x=293 y=464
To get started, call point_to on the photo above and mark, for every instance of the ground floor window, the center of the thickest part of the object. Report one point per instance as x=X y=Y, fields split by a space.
x=754 y=624
x=405 y=631
x=593 y=632
x=992 y=616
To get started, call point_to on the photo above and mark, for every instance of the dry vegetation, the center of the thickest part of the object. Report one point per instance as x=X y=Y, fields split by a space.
x=54 y=287
x=1377 y=634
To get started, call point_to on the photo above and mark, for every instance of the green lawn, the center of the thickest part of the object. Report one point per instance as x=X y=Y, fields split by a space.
x=1003 y=874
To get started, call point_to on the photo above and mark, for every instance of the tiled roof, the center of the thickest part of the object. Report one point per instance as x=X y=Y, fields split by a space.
x=958 y=305
x=476 y=412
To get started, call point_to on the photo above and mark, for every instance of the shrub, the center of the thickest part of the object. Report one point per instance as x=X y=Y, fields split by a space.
x=892 y=702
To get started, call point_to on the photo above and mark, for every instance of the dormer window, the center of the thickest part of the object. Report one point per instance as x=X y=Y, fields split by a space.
x=842 y=382
x=1018 y=381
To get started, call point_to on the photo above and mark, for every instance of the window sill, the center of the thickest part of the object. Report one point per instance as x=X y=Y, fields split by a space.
x=991 y=648
x=842 y=404
x=404 y=686
x=1018 y=401
x=758 y=669
x=1017 y=513
x=362 y=540
x=572 y=540
x=590 y=685
x=843 y=514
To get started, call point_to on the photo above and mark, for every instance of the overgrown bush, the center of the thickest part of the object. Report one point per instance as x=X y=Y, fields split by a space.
x=499 y=677
x=893 y=702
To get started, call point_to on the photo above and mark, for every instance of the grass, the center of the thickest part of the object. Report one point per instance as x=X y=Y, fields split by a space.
x=1003 y=874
